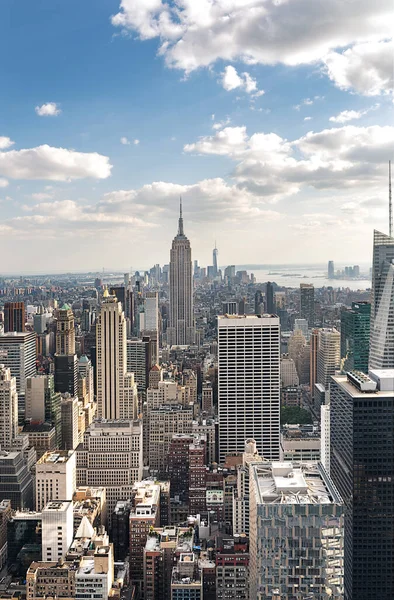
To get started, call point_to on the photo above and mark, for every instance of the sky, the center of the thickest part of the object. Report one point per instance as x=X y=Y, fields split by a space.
x=273 y=119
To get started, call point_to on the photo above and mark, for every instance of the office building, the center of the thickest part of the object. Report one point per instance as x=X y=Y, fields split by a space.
x=355 y=335
x=5 y=516
x=120 y=530
x=65 y=331
x=230 y=307
x=116 y=390
x=164 y=422
x=86 y=371
x=159 y=556
x=66 y=362
x=42 y=437
x=232 y=568
x=16 y=482
x=325 y=435
x=139 y=362
x=50 y=579
x=258 y=303
x=331 y=269
x=8 y=408
x=328 y=355
x=18 y=353
x=288 y=372
x=248 y=383
x=302 y=325
x=300 y=443
x=57 y=529
x=215 y=255
x=207 y=397
x=111 y=457
x=181 y=331
x=381 y=355
x=186 y=582
x=55 y=477
x=362 y=466
x=307 y=303
x=241 y=497
x=270 y=298
x=151 y=325
x=43 y=403
x=313 y=347
x=296 y=532
x=69 y=409
x=14 y=317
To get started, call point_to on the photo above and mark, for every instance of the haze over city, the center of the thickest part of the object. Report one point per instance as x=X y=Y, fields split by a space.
x=278 y=142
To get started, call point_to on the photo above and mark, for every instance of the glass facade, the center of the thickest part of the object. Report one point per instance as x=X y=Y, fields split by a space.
x=355 y=331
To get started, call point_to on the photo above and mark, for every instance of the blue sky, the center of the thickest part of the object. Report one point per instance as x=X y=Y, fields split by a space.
x=274 y=122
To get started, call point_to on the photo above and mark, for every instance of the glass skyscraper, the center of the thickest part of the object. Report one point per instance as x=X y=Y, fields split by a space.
x=355 y=332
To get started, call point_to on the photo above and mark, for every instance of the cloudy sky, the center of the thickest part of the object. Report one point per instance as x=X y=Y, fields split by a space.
x=272 y=118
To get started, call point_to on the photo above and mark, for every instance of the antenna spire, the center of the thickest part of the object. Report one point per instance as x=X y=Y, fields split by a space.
x=180 y=222
x=390 y=204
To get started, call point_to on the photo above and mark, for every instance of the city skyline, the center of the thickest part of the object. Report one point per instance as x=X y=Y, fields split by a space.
x=279 y=142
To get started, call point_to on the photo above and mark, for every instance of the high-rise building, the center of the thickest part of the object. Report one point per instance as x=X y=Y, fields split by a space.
x=232 y=569
x=65 y=331
x=330 y=270
x=258 y=304
x=381 y=354
x=215 y=254
x=164 y=422
x=18 y=352
x=116 y=390
x=57 y=529
x=66 y=362
x=270 y=298
x=55 y=477
x=43 y=403
x=296 y=516
x=86 y=371
x=355 y=334
x=139 y=363
x=362 y=466
x=16 y=482
x=313 y=346
x=14 y=317
x=307 y=303
x=181 y=327
x=328 y=355
x=8 y=408
x=249 y=383
x=111 y=457
x=69 y=408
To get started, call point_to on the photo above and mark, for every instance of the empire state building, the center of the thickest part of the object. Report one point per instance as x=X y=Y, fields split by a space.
x=181 y=326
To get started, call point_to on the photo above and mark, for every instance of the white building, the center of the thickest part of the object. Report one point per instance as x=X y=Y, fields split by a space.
x=328 y=355
x=95 y=575
x=325 y=435
x=241 y=492
x=111 y=457
x=296 y=533
x=39 y=392
x=288 y=372
x=181 y=323
x=151 y=305
x=55 y=477
x=85 y=369
x=117 y=396
x=8 y=408
x=18 y=352
x=249 y=383
x=57 y=529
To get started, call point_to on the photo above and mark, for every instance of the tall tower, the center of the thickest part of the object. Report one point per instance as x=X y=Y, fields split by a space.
x=181 y=327
x=116 y=389
x=381 y=353
x=269 y=298
x=65 y=331
x=249 y=383
x=215 y=261
x=307 y=303
x=66 y=362
x=14 y=316
x=9 y=408
x=328 y=355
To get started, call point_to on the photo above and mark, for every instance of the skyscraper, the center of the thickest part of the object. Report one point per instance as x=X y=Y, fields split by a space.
x=14 y=316
x=181 y=328
x=18 y=352
x=381 y=354
x=361 y=467
x=269 y=298
x=8 y=408
x=307 y=303
x=258 y=304
x=66 y=362
x=215 y=261
x=65 y=331
x=355 y=333
x=331 y=270
x=116 y=389
x=249 y=383
x=328 y=355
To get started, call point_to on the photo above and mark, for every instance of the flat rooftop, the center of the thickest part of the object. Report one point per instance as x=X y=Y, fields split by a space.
x=352 y=390
x=293 y=483
x=59 y=456
x=57 y=505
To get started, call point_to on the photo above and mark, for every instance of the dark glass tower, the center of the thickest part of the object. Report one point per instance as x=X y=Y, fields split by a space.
x=258 y=303
x=355 y=329
x=362 y=468
x=307 y=303
x=269 y=297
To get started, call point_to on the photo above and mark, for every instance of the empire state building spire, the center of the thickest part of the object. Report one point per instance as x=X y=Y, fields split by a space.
x=181 y=331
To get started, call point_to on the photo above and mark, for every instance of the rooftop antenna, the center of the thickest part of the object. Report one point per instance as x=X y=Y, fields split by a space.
x=390 y=204
x=180 y=226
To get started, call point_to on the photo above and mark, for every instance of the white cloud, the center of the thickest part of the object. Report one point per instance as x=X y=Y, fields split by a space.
x=49 y=109
x=3 y=182
x=124 y=141
x=41 y=196
x=136 y=142
x=55 y=164
x=366 y=68
x=196 y=34
x=5 y=142
x=231 y=80
x=221 y=124
x=307 y=118
x=348 y=115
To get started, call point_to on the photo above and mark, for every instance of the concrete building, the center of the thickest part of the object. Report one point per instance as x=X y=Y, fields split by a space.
x=55 y=477
x=181 y=330
x=241 y=498
x=69 y=408
x=95 y=574
x=57 y=529
x=325 y=435
x=164 y=422
x=186 y=582
x=42 y=437
x=8 y=408
x=296 y=516
x=111 y=457
x=302 y=325
x=328 y=355
x=362 y=466
x=66 y=362
x=207 y=397
x=381 y=355
x=232 y=569
x=116 y=389
x=300 y=443
x=248 y=383
x=313 y=346
x=51 y=579
x=206 y=428
x=16 y=482
x=43 y=403
x=18 y=353
x=288 y=372
x=86 y=371
x=5 y=516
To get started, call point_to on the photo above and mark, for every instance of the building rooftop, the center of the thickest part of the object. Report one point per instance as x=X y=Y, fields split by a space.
x=293 y=483
x=56 y=457
x=343 y=382
x=57 y=506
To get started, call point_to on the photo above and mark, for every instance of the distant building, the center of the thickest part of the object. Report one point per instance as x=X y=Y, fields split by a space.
x=8 y=408
x=355 y=334
x=288 y=372
x=18 y=353
x=331 y=269
x=328 y=355
x=69 y=408
x=270 y=298
x=285 y=498
x=43 y=403
x=14 y=317
x=307 y=303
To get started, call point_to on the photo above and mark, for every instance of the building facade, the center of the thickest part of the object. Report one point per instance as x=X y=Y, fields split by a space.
x=355 y=334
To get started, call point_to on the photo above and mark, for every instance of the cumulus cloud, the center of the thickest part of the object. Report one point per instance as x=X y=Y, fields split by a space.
x=49 y=109
x=231 y=80
x=124 y=141
x=5 y=142
x=136 y=142
x=351 y=115
x=366 y=68
x=3 y=182
x=55 y=164
x=197 y=34
x=307 y=118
